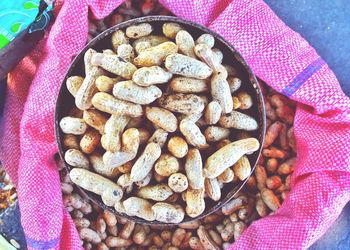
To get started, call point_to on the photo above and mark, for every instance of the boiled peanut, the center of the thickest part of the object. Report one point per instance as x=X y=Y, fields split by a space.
x=168 y=213
x=105 y=83
x=119 y=38
x=99 y=167
x=186 y=66
x=212 y=112
x=195 y=204
x=89 y=141
x=234 y=205
x=76 y=158
x=177 y=147
x=126 y=51
x=171 y=29
x=73 y=84
x=220 y=90
x=238 y=120
x=212 y=189
x=152 y=40
x=182 y=103
x=242 y=168
x=89 y=235
x=147 y=76
x=139 y=30
x=162 y=118
x=159 y=136
x=226 y=176
x=188 y=85
x=114 y=127
x=166 y=165
x=192 y=132
x=206 y=240
x=186 y=43
x=178 y=182
x=95 y=119
x=207 y=39
x=145 y=181
x=113 y=241
x=72 y=125
x=159 y=192
x=139 y=207
x=194 y=169
x=214 y=133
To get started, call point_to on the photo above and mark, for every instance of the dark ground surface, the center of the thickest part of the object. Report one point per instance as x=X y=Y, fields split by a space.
x=326 y=25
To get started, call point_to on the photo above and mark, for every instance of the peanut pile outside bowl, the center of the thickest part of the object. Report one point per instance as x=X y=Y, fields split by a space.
x=158 y=116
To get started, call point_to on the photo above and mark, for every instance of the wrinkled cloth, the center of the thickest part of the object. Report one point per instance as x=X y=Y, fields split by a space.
x=277 y=55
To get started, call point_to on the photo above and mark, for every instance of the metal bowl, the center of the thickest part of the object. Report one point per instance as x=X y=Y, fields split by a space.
x=65 y=100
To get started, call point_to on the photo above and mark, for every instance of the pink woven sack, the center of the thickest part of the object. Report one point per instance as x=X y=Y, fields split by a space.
x=277 y=55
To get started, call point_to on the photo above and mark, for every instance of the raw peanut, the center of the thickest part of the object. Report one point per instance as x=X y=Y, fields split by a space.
x=81 y=223
x=86 y=245
x=70 y=141
x=207 y=39
x=105 y=83
x=192 y=132
x=139 y=30
x=195 y=204
x=236 y=102
x=212 y=112
x=271 y=165
x=178 y=236
x=159 y=192
x=129 y=91
x=162 y=118
x=205 y=53
x=283 y=111
x=185 y=42
x=270 y=199
x=113 y=241
x=261 y=207
x=238 y=120
x=234 y=205
x=100 y=225
x=166 y=165
x=139 y=235
x=185 y=244
x=89 y=141
x=218 y=56
x=73 y=84
x=101 y=246
x=220 y=90
x=178 y=182
x=95 y=119
x=212 y=189
x=166 y=235
x=157 y=241
x=86 y=208
x=287 y=167
x=251 y=183
x=245 y=100
x=144 y=163
x=148 y=241
x=119 y=38
x=280 y=189
x=124 y=181
x=114 y=64
x=178 y=147
x=152 y=40
x=270 y=112
x=145 y=181
x=272 y=133
x=284 y=195
x=231 y=71
x=194 y=169
x=186 y=66
x=214 y=133
x=206 y=240
x=288 y=182
x=110 y=218
x=245 y=212
x=188 y=85
x=156 y=55
x=66 y=188
x=212 y=219
x=76 y=158
x=99 y=167
x=147 y=76
x=159 y=136
x=126 y=51
x=291 y=139
x=283 y=139
x=182 y=103
x=125 y=168
x=139 y=207
x=275 y=153
x=114 y=127
x=228 y=155
x=190 y=225
x=273 y=182
x=168 y=213
x=72 y=125
x=195 y=244
x=127 y=230
x=226 y=176
x=239 y=229
x=88 y=88
x=109 y=191
x=261 y=177
x=107 y=103
x=215 y=236
x=234 y=83
x=159 y=178
x=142 y=46
x=73 y=200
x=89 y=235
x=242 y=168
x=228 y=232
x=171 y=29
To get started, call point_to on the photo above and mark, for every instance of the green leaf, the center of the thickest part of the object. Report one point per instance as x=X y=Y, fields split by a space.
x=29 y=5
x=3 y=41
x=16 y=27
